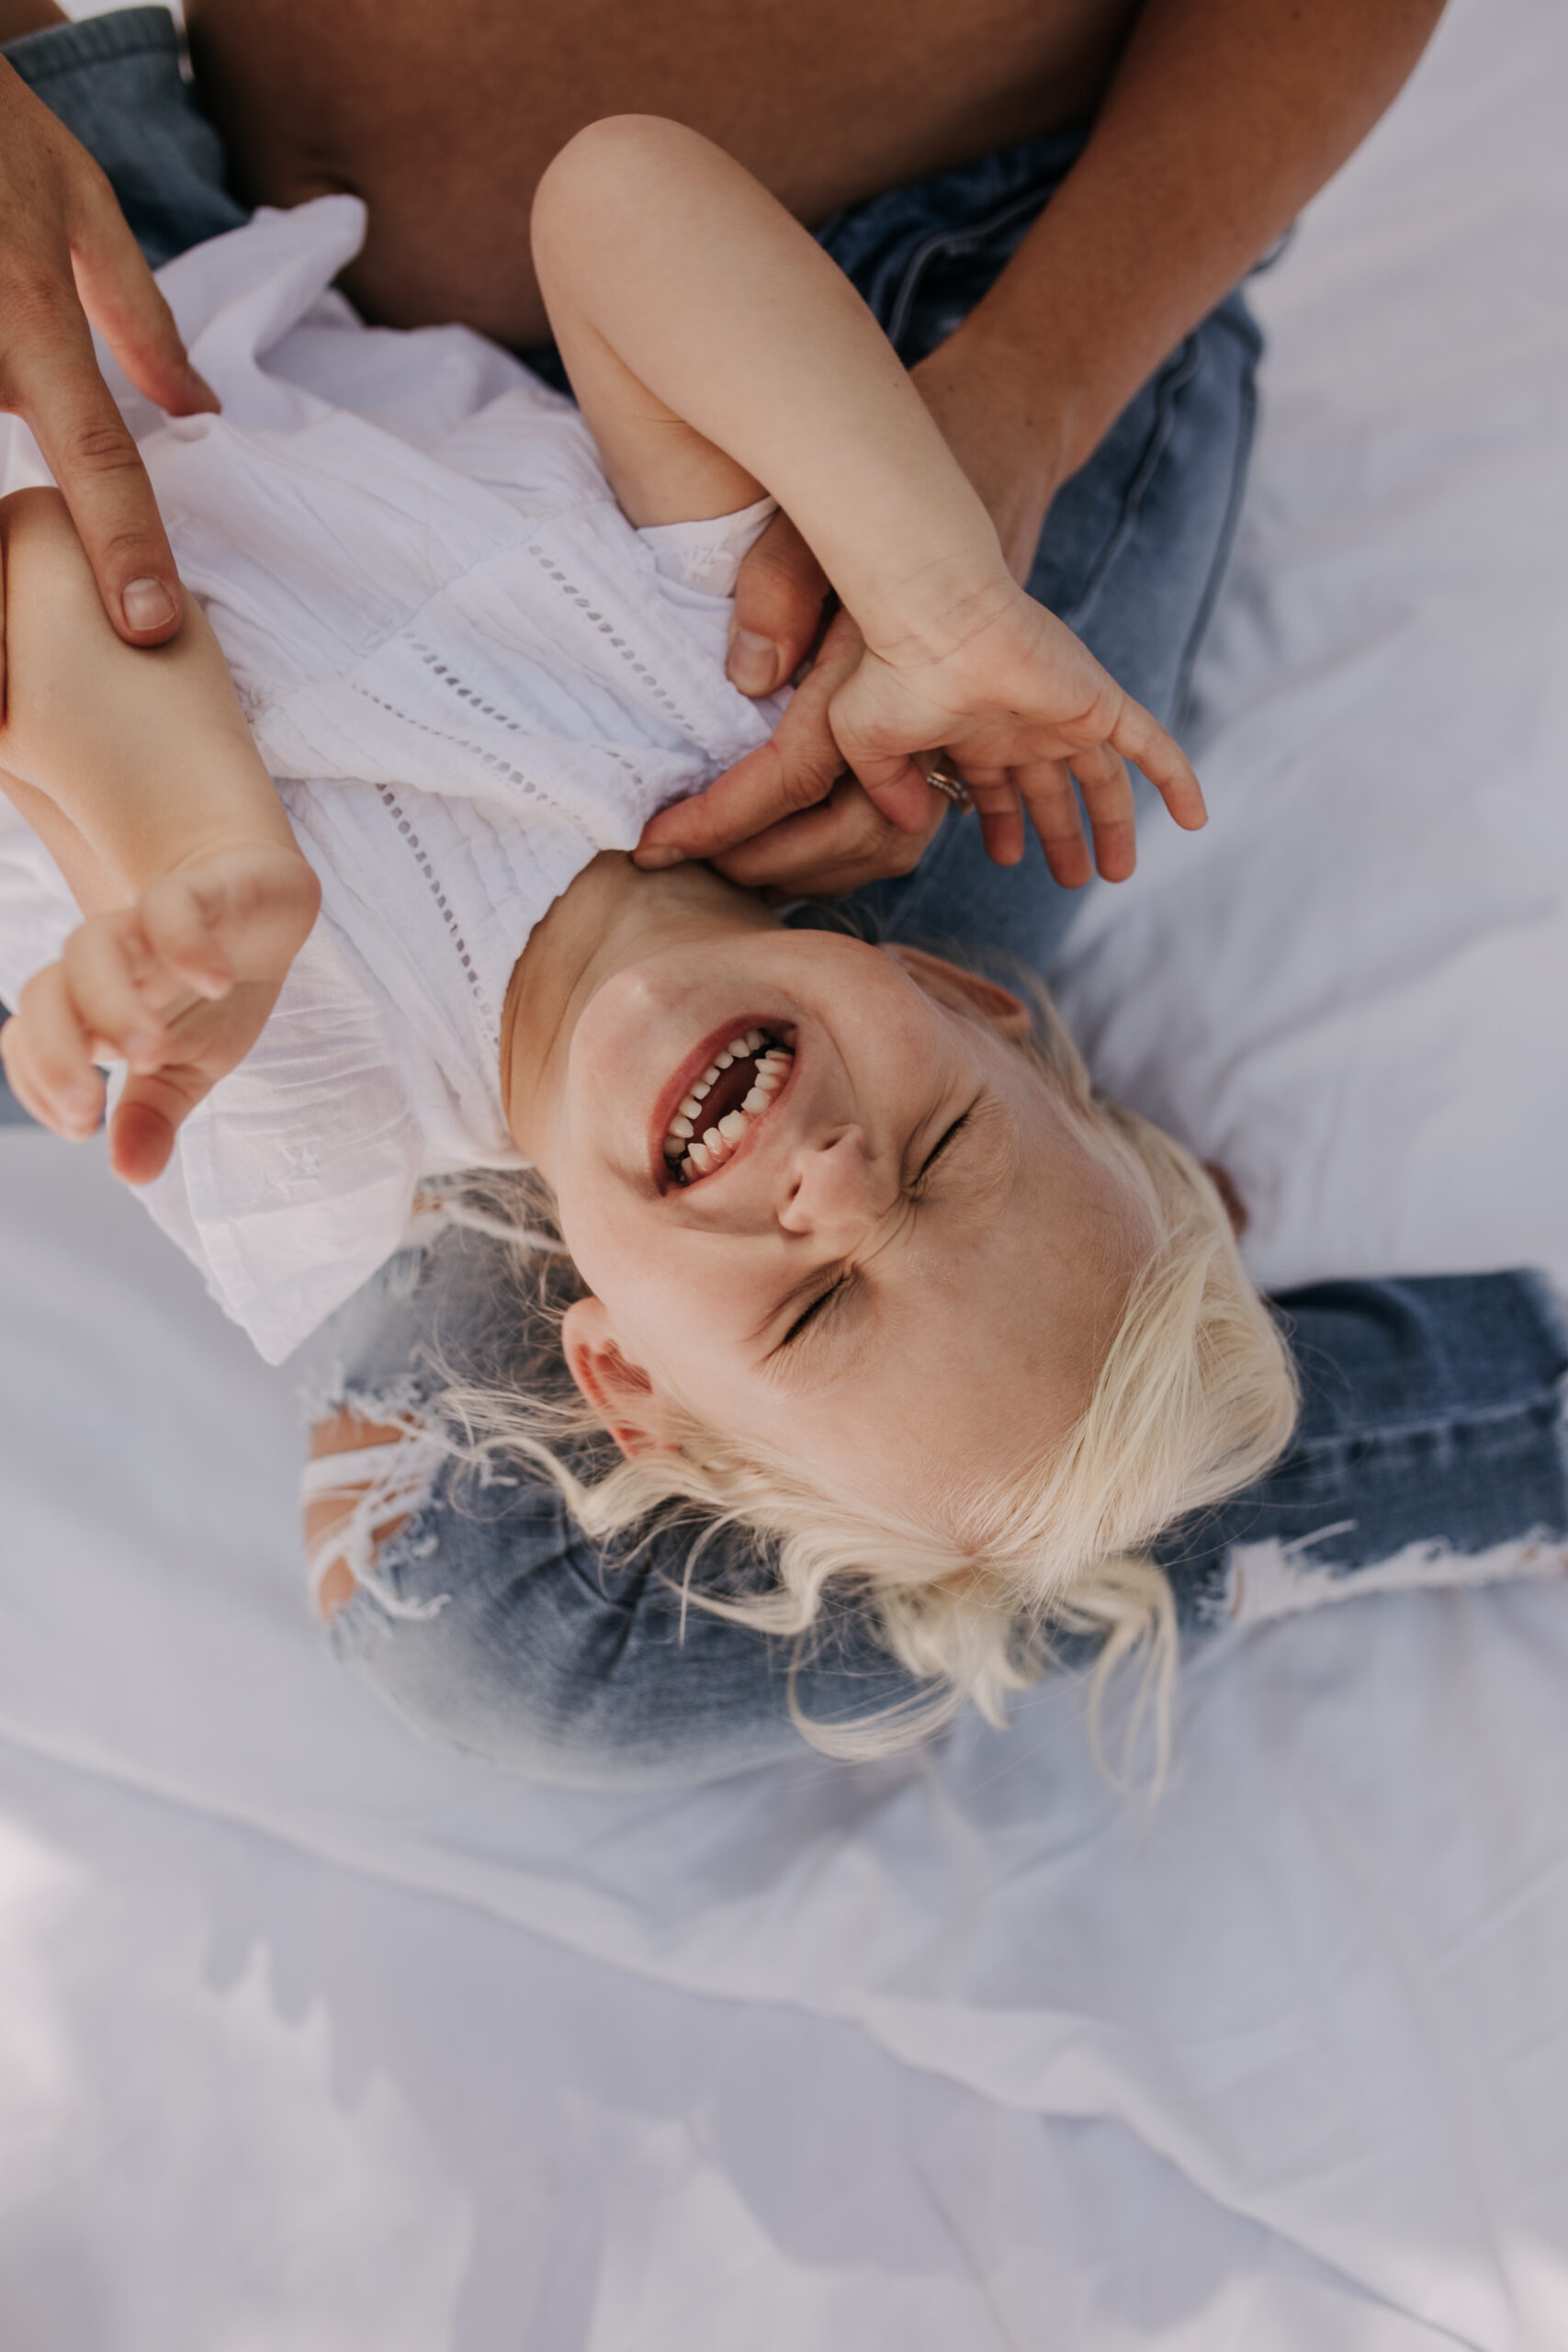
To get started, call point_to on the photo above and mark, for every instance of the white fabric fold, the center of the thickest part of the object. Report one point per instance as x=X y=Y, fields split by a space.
x=468 y=674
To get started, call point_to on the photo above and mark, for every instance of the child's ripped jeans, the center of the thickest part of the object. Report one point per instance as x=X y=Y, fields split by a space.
x=1430 y=1450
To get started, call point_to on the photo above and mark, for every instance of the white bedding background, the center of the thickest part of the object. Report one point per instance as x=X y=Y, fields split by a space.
x=313 y=2035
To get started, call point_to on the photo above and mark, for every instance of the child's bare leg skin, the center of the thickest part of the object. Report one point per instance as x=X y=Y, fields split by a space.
x=137 y=771
x=330 y=1511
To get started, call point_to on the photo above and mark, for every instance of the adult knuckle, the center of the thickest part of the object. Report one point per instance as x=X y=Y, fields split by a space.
x=806 y=780
x=36 y=288
x=101 y=446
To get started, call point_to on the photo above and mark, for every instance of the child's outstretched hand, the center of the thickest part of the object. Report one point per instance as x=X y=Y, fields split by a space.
x=1015 y=705
x=177 y=986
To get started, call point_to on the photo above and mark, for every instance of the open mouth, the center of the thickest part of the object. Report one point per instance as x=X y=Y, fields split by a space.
x=734 y=1089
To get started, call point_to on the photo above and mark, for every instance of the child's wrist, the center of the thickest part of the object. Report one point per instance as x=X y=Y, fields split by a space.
x=937 y=610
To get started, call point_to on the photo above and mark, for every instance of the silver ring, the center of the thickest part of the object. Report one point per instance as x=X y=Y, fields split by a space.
x=952 y=787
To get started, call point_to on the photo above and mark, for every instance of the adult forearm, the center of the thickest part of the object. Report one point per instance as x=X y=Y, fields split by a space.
x=20 y=16
x=1222 y=118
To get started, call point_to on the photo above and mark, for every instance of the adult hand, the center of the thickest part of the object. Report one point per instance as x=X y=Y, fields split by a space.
x=66 y=257
x=787 y=817
x=835 y=837
x=1023 y=710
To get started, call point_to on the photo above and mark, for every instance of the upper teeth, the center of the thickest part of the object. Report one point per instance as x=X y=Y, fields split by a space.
x=694 y=1149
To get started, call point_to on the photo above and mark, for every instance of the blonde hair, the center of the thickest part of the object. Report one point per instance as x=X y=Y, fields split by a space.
x=1195 y=1396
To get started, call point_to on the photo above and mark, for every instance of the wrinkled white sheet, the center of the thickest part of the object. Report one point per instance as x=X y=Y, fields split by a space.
x=1321 y=1996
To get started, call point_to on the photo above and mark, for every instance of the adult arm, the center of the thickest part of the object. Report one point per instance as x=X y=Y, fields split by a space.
x=68 y=263
x=1223 y=117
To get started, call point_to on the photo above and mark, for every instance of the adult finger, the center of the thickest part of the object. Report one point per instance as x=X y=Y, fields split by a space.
x=778 y=610
x=52 y=380
x=876 y=729
x=894 y=780
x=828 y=851
x=780 y=777
x=124 y=301
x=794 y=770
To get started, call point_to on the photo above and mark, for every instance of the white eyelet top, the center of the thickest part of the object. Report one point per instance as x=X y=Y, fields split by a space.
x=468 y=674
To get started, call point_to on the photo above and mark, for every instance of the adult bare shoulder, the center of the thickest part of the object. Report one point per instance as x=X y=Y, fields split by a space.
x=67 y=259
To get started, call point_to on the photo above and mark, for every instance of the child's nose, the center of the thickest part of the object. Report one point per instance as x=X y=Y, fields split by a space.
x=833 y=1187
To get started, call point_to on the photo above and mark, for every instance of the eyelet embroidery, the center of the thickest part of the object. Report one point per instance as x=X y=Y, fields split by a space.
x=393 y=807
x=440 y=667
x=640 y=670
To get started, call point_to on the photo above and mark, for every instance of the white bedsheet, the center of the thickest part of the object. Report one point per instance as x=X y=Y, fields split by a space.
x=1281 y=2066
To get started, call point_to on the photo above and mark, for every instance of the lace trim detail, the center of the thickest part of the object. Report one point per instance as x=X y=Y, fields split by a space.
x=452 y=681
x=639 y=669
x=421 y=856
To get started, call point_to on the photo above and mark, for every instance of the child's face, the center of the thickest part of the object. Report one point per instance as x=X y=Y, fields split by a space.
x=905 y=1273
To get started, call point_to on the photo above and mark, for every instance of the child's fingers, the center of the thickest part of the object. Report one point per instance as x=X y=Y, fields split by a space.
x=142 y=1131
x=894 y=782
x=1046 y=786
x=995 y=796
x=103 y=962
x=1106 y=791
x=1141 y=739
x=48 y=1060
x=180 y=920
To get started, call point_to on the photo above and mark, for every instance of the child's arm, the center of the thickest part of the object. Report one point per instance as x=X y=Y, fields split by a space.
x=716 y=350
x=137 y=771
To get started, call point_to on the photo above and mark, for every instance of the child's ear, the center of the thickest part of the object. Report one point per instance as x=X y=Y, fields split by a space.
x=965 y=992
x=620 y=1391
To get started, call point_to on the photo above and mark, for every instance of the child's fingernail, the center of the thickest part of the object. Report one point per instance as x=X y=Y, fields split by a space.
x=147 y=604
x=753 y=663
x=654 y=860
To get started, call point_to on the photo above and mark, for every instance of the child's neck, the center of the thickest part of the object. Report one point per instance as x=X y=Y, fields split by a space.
x=612 y=915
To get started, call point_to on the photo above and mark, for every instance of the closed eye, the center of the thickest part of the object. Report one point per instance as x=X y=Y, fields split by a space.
x=809 y=1313
x=941 y=1146
x=818 y=1303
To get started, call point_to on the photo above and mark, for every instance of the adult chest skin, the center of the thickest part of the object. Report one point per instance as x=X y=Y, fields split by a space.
x=443 y=118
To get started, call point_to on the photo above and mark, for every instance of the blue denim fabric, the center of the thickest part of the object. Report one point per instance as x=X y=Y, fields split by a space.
x=115 y=82
x=1137 y=543
x=1433 y=1411
x=1433 y=1414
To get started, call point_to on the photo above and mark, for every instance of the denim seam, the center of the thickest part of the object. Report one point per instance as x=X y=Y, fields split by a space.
x=1178 y=371
x=1222 y=552
x=1477 y=1416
